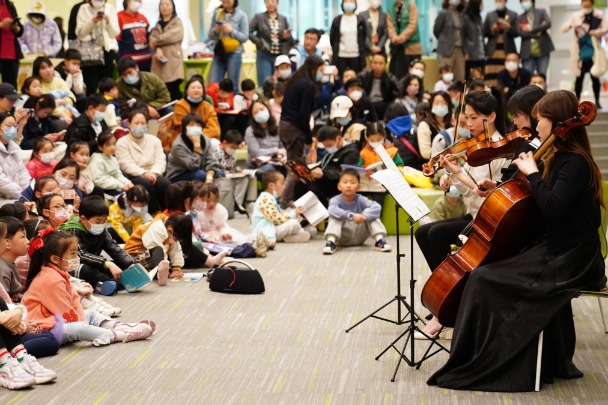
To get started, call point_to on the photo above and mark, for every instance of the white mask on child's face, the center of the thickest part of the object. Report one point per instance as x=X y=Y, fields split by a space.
x=72 y=264
x=199 y=205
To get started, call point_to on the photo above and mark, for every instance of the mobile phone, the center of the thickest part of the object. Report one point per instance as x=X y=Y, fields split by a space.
x=68 y=194
x=100 y=14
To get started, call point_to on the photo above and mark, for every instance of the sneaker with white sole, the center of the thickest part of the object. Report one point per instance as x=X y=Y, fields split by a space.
x=330 y=248
x=106 y=309
x=382 y=246
x=41 y=374
x=14 y=377
x=163 y=272
x=135 y=331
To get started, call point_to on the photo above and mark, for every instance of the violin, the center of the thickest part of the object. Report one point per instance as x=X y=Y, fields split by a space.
x=480 y=150
x=503 y=225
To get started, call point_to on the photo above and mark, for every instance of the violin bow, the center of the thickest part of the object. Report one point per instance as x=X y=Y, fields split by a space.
x=461 y=107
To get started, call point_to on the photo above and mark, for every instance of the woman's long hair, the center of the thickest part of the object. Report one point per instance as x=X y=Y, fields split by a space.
x=308 y=72
x=271 y=126
x=447 y=121
x=558 y=106
x=523 y=101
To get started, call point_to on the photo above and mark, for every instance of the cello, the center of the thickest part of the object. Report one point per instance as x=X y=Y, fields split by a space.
x=510 y=210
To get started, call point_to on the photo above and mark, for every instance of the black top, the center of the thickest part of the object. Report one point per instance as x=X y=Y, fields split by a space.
x=571 y=215
x=513 y=84
x=36 y=128
x=72 y=21
x=364 y=111
x=81 y=129
x=297 y=105
x=332 y=164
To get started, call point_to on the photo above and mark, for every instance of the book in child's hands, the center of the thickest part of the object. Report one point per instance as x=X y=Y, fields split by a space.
x=301 y=169
x=314 y=211
x=134 y=277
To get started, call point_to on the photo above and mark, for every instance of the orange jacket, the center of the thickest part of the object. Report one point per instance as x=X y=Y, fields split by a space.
x=369 y=156
x=51 y=294
x=204 y=110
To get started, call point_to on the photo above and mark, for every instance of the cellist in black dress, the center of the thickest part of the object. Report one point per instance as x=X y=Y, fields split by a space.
x=507 y=303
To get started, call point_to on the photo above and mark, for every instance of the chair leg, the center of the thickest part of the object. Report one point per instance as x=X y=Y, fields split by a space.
x=599 y=301
x=539 y=358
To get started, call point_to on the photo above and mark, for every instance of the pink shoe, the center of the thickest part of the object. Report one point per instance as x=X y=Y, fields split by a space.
x=137 y=331
x=163 y=272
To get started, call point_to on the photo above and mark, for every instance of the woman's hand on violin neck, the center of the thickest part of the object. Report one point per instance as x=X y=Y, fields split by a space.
x=526 y=163
x=485 y=187
x=450 y=164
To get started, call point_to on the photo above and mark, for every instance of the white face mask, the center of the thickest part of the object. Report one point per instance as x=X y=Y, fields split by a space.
x=64 y=183
x=47 y=158
x=376 y=4
x=448 y=77
x=526 y=5
x=511 y=66
x=61 y=215
x=194 y=131
x=588 y=10
x=262 y=117
x=199 y=206
x=97 y=229
x=453 y=192
x=73 y=264
x=418 y=73
x=440 y=110
x=97 y=3
x=464 y=133
x=134 y=6
x=356 y=95
x=285 y=74
x=454 y=2
x=500 y=6
x=332 y=149
x=140 y=210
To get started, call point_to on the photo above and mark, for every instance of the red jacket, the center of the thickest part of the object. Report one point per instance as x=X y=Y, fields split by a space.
x=38 y=169
x=212 y=91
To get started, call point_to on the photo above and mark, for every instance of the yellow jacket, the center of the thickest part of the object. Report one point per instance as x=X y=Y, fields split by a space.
x=120 y=222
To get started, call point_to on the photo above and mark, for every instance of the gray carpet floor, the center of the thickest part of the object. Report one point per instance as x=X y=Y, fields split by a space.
x=288 y=346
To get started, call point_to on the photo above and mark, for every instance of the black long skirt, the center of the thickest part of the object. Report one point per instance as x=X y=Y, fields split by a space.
x=505 y=306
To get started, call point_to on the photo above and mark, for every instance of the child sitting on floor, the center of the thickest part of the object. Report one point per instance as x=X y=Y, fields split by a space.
x=80 y=153
x=353 y=218
x=375 y=134
x=19 y=368
x=16 y=245
x=51 y=300
x=129 y=212
x=93 y=238
x=104 y=167
x=269 y=220
x=43 y=160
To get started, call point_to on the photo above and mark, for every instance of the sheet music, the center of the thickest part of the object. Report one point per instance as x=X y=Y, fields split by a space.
x=401 y=191
x=387 y=160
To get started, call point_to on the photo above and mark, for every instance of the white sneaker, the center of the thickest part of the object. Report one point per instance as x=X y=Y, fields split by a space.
x=14 y=377
x=106 y=309
x=41 y=374
x=134 y=331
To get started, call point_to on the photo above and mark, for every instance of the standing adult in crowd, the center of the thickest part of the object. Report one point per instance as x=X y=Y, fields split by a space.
x=449 y=31
x=500 y=29
x=133 y=37
x=377 y=34
x=230 y=30
x=348 y=53
x=474 y=47
x=271 y=35
x=10 y=52
x=586 y=23
x=536 y=45
x=402 y=26
x=40 y=33
x=380 y=86
x=298 y=101
x=97 y=29
x=166 y=41
x=513 y=77
x=299 y=53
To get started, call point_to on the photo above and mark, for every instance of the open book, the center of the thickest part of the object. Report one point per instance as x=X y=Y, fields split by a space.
x=314 y=211
x=301 y=169
x=368 y=184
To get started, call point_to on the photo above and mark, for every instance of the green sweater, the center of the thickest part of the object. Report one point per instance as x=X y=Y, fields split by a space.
x=150 y=89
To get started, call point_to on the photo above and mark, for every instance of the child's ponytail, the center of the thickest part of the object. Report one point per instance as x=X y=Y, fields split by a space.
x=48 y=243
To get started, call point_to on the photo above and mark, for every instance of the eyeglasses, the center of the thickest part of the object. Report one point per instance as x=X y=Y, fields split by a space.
x=59 y=206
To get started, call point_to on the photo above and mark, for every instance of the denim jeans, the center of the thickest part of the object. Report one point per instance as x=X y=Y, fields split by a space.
x=264 y=63
x=538 y=64
x=199 y=175
x=230 y=63
x=87 y=330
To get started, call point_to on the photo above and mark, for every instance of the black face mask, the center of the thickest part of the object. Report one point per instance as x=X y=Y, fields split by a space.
x=36 y=18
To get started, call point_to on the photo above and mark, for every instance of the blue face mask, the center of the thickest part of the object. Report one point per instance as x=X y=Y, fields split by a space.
x=10 y=133
x=139 y=130
x=464 y=133
x=344 y=121
x=349 y=7
x=332 y=149
x=262 y=117
x=194 y=100
x=319 y=76
x=98 y=116
x=132 y=79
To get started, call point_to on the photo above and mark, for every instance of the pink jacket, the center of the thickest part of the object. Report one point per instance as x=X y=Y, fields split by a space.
x=51 y=294
x=38 y=169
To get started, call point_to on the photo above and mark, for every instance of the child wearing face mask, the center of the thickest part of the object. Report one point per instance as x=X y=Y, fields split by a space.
x=375 y=135
x=446 y=78
x=53 y=208
x=89 y=125
x=40 y=124
x=93 y=238
x=129 y=212
x=54 y=304
x=79 y=152
x=363 y=110
x=13 y=174
x=43 y=160
x=105 y=169
x=454 y=134
x=67 y=173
